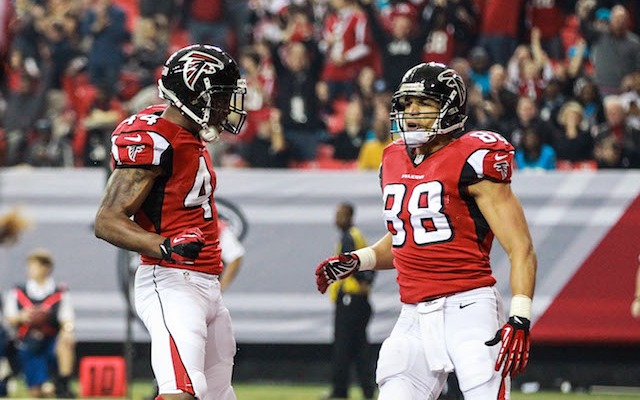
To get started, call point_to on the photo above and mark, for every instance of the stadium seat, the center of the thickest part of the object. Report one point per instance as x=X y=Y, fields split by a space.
x=102 y=376
x=587 y=165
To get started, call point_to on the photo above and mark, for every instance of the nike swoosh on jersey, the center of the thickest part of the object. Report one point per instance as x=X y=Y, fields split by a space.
x=136 y=138
x=499 y=157
x=466 y=305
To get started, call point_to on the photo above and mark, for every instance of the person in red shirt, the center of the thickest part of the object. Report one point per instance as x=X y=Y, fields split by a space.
x=163 y=178
x=446 y=194
x=346 y=44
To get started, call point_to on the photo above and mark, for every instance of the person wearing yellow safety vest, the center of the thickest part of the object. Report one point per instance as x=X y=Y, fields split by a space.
x=352 y=315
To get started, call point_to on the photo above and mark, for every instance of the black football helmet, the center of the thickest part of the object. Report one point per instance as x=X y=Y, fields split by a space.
x=433 y=81
x=204 y=82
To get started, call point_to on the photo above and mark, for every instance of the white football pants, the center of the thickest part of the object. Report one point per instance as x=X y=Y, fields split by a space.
x=433 y=338
x=192 y=343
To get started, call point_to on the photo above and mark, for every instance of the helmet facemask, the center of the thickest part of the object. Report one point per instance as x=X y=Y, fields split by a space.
x=222 y=102
x=420 y=134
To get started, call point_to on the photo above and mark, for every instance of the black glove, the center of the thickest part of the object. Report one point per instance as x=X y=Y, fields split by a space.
x=183 y=248
x=516 y=342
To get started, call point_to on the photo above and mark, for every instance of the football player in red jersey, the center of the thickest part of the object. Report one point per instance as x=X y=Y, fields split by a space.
x=445 y=195
x=164 y=179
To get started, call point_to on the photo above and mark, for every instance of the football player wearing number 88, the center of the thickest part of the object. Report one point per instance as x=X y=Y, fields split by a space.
x=164 y=179
x=446 y=194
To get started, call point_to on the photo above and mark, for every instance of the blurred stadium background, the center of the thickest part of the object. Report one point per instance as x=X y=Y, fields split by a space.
x=585 y=220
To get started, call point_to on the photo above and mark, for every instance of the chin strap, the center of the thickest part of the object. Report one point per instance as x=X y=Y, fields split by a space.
x=209 y=134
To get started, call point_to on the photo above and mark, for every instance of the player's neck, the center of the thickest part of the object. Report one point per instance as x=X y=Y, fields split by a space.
x=438 y=142
x=174 y=115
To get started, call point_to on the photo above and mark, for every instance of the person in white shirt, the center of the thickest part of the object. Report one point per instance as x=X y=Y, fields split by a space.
x=232 y=254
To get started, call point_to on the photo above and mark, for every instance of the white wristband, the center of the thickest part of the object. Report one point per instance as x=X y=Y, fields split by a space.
x=520 y=306
x=367 y=258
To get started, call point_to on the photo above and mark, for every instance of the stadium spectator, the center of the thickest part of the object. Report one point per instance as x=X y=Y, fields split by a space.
x=351 y=316
x=480 y=112
x=348 y=141
x=269 y=148
x=533 y=154
x=62 y=50
x=552 y=100
x=105 y=112
x=608 y=153
x=630 y=98
x=588 y=95
x=615 y=136
x=24 y=107
x=370 y=155
x=479 y=64
x=501 y=96
x=47 y=147
x=401 y=45
x=499 y=28
x=7 y=15
x=454 y=28
x=297 y=67
x=574 y=142
x=104 y=27
x=529 y=68
x=207 y=22
x=548 y=17
x=162 y=11
x=346 y=45
x=528 y=115
x=41 y=312
x=150 y=45
x=367 y=87
x=463 y=15
x=237 y=16
x=615 y=51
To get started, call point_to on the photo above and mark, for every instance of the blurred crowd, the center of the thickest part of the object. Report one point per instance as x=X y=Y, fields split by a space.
x=560 y=79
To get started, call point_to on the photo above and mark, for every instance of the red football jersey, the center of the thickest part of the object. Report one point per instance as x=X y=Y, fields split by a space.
x=182 y=197
x=441 y=241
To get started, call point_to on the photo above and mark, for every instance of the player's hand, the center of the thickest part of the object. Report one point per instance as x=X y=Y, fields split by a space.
x=183 y=248
x=516 y=341
x=336 y=268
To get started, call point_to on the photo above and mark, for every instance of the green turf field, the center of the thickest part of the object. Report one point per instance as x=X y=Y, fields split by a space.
x=266 y=391
x=143 y=390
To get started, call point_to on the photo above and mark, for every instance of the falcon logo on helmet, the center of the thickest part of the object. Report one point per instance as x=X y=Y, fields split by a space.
x=197 y=63
x=451 y=78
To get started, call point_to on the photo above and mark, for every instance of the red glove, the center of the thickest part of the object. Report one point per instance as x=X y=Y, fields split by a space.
x=336 y=268
x=516 y=342
x=183 y=248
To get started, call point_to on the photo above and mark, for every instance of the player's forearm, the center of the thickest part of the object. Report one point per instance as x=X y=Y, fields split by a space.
x=523 y=272
x=122 y=232
x=377 y=256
